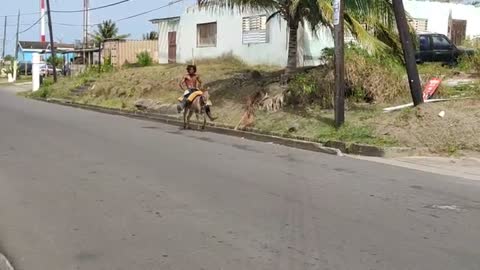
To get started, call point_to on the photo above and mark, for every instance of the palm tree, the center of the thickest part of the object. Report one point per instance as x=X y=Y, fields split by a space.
x=107 y=30
x=150 y=36
x=376 y=14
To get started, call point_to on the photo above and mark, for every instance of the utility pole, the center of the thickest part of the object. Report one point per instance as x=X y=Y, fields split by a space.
x=52 y=44
x=4 y=37
x=86 y=6
x=408 y=52
x=338 y=22
x=15 y=63
x=16 y=38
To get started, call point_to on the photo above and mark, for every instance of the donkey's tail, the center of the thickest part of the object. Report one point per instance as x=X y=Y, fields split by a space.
x=209 y=113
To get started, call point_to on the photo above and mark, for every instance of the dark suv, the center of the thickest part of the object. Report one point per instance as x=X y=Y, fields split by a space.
x=438 y=48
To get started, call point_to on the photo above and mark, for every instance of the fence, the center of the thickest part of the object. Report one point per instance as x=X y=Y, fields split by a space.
x=125 y=51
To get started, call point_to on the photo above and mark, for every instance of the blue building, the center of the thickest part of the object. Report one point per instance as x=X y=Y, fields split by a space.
x=26 y=49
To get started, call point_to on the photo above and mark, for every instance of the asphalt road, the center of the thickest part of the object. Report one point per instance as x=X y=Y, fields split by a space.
x=83 y=190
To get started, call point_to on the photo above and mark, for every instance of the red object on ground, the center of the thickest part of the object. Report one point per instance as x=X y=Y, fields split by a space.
x=431 y=87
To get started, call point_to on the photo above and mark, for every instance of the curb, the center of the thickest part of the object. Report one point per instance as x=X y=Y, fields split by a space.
x=331 y=147
x=4 y=263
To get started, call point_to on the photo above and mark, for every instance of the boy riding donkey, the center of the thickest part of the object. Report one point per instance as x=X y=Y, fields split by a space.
x=191 y=83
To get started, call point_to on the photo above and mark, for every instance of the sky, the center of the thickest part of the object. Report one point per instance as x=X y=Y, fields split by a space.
x=136 y=27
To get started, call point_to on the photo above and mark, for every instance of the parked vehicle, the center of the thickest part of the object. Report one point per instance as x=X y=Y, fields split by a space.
x=50 y=70
x=439 y=48
x=43 y=70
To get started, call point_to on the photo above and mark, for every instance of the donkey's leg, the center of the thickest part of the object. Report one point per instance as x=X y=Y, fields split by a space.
x=204 y=121
x=190 y=113
x=198 y=120
x=185 y=111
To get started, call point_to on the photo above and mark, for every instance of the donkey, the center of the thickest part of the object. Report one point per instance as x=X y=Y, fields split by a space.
x=199 y=106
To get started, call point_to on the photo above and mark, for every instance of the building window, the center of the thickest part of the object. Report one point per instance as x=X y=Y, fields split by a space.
x=254 y=29
x=420 y=25
x=207 y=35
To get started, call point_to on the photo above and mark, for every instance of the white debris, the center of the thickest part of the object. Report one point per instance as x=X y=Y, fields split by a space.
x=446 y=207
x=441 y=114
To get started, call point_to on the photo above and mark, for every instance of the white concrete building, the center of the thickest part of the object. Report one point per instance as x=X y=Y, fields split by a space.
x=198 y=34
x=457 y=21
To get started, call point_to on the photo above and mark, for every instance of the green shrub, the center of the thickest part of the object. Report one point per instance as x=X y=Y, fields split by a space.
x=144 y=59
x=368 y=78
x=58 y=61
x=309 y=88
x=471 y=63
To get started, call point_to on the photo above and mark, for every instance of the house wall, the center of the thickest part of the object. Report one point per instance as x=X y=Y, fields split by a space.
x=27 y=55
x=229 y=38
x=313 y=45
x=437 y=15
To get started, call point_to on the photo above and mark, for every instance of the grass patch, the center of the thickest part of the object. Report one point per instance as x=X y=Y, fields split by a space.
x=64 y=86
x=319 y=125
x=460 y=91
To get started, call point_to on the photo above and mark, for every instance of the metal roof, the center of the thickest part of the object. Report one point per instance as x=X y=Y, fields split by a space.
x=176 y=18
x=37 y=45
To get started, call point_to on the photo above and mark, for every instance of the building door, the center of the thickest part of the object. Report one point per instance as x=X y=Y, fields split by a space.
x=172 y=47
x=458 y=31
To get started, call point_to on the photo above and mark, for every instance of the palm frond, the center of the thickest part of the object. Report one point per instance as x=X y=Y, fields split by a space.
x=241 y=5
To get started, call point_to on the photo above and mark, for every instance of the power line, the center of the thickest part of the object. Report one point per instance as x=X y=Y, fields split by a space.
x=90 y=9
x=31 y=26
x=126 y=18
x=14 y=25
x=118 y=20
x=29 y=13
x=73 y=11
x=149 y=11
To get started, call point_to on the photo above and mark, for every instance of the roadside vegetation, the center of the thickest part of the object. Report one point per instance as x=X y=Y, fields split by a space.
x=373 y=83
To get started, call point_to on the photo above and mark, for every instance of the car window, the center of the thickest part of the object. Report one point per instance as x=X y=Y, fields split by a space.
x=441 y=43
x=424 y=43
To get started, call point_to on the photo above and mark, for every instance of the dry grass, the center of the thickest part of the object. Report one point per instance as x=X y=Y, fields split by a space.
x=423 y=127
x=161 y=82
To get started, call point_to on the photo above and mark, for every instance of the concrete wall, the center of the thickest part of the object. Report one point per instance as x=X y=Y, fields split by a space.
x=229 y=38
x=437 y=15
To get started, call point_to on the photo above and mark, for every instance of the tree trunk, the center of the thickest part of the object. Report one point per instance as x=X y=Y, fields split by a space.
x=292 y=48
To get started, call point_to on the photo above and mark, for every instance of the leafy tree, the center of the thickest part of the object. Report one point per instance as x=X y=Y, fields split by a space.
x=58 y=62
x=8 y=58
x=375 y=15
x=150 y=36
x=107 y=30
